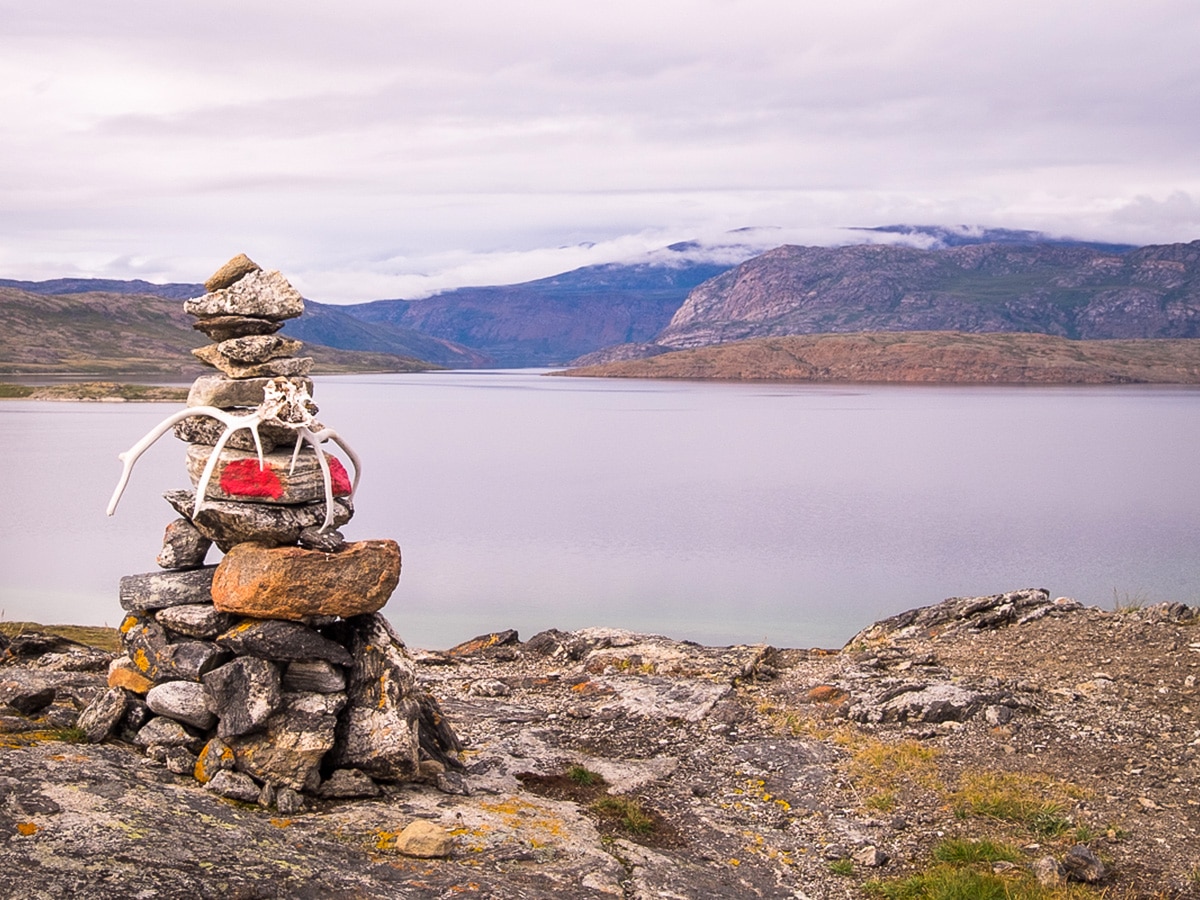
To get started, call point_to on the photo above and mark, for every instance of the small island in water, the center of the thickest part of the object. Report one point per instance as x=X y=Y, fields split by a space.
x=936 y=357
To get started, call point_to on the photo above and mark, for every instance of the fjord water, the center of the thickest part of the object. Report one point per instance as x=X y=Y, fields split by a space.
x=721 y=513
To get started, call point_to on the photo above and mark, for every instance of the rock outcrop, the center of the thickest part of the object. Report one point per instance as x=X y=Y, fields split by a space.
x=603 y=764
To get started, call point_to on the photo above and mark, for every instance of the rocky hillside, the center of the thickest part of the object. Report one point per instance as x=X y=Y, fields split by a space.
x=123 y=333
x=923 y=356
x=1004 y=746
x=1072 y=291
x=551 y=320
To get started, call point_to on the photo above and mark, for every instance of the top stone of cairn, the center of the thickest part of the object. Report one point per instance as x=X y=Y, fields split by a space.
x=230 y=272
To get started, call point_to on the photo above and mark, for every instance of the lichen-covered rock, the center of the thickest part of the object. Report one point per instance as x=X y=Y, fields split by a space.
x=122 y=673
x=158 y=659
x=263 y=295
x=158 y=590
x=289 y=750
x=282 y=641
x=103 y=715
x=378 y=732
x=230 y=523
x=245 y=694
x=198 y=620
x=294 y=583
x=184 y=547
x=214 y=757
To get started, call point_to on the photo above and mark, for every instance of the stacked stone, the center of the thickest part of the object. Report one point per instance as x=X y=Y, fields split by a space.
x=271 y=674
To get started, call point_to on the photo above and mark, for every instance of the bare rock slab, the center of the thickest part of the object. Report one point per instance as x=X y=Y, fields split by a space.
x=293 y=582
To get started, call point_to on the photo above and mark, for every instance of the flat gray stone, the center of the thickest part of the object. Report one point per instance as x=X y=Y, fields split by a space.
x=229 y=522
x=207 y=430
x=282 y=641
x=313 y=675
x=347 y=784
x=158 y=590
x=224 y=392
x=234 y=786
x=284 y=366
x=184 y=701
x=198 y=620
x=222 y=328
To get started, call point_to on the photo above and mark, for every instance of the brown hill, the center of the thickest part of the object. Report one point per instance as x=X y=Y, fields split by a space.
x=1071 y=291
x=129 y=334
x=932 y=356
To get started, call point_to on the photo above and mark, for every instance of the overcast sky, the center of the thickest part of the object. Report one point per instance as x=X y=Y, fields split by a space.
x=388 y=149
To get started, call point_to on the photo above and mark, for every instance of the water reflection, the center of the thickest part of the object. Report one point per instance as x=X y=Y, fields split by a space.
x=717 y=512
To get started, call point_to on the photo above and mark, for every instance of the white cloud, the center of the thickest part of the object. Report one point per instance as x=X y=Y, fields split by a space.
x=377 y=149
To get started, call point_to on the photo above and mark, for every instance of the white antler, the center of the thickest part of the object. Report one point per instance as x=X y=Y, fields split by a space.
x=284 y=403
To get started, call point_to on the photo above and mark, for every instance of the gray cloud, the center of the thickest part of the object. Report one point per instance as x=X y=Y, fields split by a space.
x=384 y=149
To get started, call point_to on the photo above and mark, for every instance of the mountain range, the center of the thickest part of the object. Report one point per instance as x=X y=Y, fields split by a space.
x=905 y=278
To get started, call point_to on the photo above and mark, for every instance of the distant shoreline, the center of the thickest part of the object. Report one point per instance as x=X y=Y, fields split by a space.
x=928 y=357
x=95 y=392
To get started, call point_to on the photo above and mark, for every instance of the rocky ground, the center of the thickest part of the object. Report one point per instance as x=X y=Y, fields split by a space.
x=999 y=736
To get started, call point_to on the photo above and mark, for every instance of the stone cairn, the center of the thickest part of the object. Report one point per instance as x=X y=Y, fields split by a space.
x=273 y=674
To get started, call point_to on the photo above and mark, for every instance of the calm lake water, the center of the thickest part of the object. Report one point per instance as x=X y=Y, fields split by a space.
x=721 y=513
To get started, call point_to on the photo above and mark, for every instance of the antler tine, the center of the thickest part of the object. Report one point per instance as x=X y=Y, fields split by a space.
x=130 y=456
x=328 y=434
x=233 y=424
x=306 y=435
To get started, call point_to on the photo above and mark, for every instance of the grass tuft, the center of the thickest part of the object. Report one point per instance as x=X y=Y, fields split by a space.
x=1036 y=802
x=627 y=811
x=585 y=777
